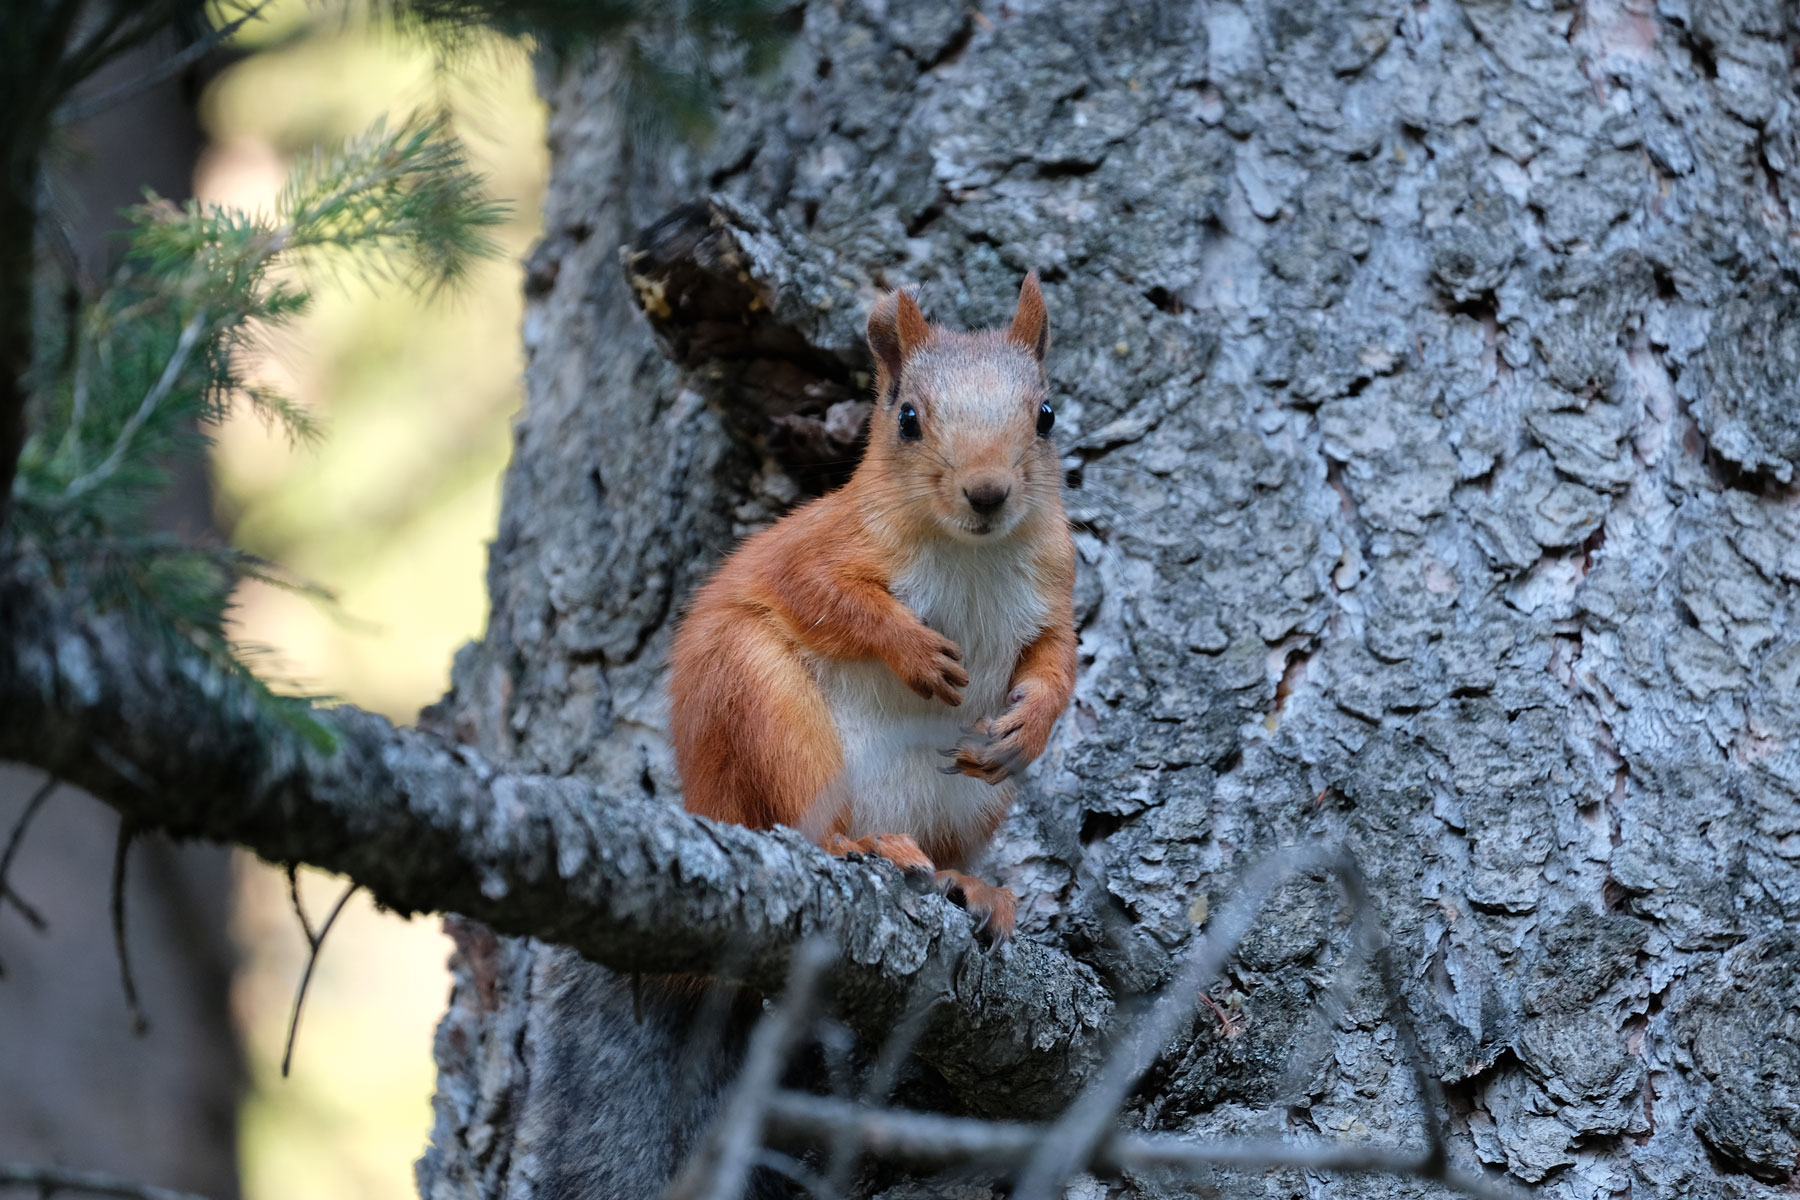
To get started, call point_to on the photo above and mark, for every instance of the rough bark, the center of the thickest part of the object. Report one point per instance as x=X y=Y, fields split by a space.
x=1426 y=376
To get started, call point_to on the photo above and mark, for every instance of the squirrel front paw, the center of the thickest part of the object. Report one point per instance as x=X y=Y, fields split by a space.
x=996 y=749
x=932 y=666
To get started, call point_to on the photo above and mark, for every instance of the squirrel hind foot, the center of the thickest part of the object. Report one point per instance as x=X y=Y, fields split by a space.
x=995 y=909
x=897 y=848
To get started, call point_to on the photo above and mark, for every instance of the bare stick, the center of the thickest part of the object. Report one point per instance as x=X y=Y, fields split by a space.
x=140 y=1024
x=293 y=878
x=175 y=64
x=93 y=1183
x=1072 y=1140
x=12 y=848
x=930 y=1140
x=793 y=1169
x=313 y=942
x=1376 y=945
x=882 y=1076
x=718 y=1171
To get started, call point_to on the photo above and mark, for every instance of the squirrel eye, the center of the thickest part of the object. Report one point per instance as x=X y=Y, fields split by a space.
x=1046 y=418
x=909 y=424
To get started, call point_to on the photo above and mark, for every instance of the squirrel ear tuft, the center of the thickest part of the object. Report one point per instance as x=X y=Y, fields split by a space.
x=1031 y=325
x=913 y=328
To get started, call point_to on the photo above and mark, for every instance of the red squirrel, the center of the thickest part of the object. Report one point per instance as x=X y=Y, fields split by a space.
x=923 y=612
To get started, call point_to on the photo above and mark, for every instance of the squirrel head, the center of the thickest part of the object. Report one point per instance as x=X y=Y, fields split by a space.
x=959 y=440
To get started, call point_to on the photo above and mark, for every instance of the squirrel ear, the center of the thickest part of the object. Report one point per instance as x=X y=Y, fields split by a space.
x=884 y=344
x=1031 y=325
x=896 y=331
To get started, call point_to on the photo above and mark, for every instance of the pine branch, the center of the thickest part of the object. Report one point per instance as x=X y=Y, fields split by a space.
x=160 y=353
x=184 y=346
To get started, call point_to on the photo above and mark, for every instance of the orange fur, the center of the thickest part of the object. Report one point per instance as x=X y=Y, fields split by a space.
x=956 y=479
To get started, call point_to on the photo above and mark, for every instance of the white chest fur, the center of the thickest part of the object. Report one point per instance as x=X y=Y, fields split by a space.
x=986 y=600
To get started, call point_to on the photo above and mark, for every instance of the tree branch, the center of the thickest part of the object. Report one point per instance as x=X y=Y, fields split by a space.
x=929 y=1140
x=47 y=1180
x=426 y=825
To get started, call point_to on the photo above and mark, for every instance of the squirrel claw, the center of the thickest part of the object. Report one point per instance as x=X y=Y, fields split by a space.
x=897 y=848
x=994 y=908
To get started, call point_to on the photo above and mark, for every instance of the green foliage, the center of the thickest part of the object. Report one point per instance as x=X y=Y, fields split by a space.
x=126 y=381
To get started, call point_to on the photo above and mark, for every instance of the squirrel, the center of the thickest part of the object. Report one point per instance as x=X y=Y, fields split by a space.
x=924 y=611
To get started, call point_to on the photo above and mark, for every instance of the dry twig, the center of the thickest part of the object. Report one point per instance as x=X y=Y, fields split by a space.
x=720 y=1168
x=13 y=839
x=49 y=1180
x=80 y=110
x=314 y=940
x=1072 y=1140
x=140 y=1024
x=1087 y=1136
x=928 y=1140
x=841 y=1160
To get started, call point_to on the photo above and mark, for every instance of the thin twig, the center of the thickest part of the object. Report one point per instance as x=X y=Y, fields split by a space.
x=720 y=1168
x=1072 y=1140
x=793 y=1170
x=313 y=942
x=841 y=1159
x=930 y=1140
x=293 y=878
x=165 y=383
x=12 y=848
x=26 y=908
x=1376 y=944
x=140 y=1024
x=113 y=39
x=175 y=64
x=93 y=1183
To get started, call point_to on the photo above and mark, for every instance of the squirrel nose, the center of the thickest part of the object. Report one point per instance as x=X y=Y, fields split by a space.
x=986 y=497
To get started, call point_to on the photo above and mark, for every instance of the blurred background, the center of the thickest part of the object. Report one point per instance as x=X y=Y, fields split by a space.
x=391 y=512
x=417 y=395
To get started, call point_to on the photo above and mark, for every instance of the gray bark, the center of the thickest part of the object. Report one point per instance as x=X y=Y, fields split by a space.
x=1426 y=381
x=1426 y=374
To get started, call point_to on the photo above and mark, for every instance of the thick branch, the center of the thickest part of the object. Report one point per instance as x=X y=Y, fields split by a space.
x=426 y=825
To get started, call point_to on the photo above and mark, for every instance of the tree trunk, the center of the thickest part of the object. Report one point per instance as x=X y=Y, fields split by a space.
x=1426 y=379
